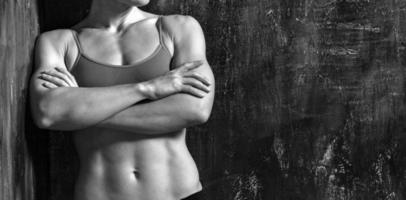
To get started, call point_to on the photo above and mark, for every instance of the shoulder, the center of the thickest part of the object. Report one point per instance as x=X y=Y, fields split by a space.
x=179 y=26
x=55 y=47
x=59 y=38
x=57 y=33
x=180 y=20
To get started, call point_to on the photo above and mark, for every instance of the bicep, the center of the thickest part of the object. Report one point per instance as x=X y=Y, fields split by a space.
x=189 y=42
x=190 y=45
x=47 y=56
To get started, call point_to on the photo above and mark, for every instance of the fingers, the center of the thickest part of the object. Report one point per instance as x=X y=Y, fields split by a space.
x=60 y=77
x=67 y=73
x=193 y=91
x=54 y=80
x=182 y=79
x=49 y=85
x=196 y=84
x=197 y=76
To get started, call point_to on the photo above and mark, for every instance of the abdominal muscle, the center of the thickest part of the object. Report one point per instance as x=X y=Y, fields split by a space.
x=127 y=166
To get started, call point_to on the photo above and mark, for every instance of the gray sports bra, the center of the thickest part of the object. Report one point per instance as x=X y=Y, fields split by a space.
x=90 y=73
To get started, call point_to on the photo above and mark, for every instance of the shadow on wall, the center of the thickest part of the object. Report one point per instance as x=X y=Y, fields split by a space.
x=48 y=149
x=61 y=14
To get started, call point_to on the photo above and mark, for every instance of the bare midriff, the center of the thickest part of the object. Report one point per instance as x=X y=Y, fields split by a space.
x=119 y=165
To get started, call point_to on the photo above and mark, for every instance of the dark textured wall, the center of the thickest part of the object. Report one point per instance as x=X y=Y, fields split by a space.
x=18 y=29
x=310 y=100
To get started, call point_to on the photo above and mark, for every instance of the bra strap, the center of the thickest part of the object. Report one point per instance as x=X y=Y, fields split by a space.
x=160 y=28
x=76 y=37
x=161 y=37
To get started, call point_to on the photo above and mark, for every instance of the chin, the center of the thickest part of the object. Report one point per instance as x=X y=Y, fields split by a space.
x=137 y=3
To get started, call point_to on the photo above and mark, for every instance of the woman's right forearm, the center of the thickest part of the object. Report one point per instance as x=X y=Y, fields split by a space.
x=74 y=108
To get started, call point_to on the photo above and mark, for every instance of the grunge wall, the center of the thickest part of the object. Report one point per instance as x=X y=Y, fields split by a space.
x=310 y=101
x=18 y=29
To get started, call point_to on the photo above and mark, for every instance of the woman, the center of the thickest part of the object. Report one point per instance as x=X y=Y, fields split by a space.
x=126 y=83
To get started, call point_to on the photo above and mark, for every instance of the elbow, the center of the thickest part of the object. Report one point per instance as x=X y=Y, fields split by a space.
x=58 y=118
x=48 y=112
x=200 y=111
x=43 y=119
x=43 y=122
x=200 y=115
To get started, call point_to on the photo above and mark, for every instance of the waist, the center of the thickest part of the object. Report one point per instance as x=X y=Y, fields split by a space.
x=130 y=166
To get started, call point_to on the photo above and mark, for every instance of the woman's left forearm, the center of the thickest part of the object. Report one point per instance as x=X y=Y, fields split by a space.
x=166 y=115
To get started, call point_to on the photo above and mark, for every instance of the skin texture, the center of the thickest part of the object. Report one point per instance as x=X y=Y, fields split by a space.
x=127 y=149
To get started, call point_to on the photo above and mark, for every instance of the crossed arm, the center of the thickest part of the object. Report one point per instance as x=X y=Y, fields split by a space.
x=74 y=108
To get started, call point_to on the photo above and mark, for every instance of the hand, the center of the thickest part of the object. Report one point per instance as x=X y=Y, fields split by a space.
x=182 y=79
x=60 y=77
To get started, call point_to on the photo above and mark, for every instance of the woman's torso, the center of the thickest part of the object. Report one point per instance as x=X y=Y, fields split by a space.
x=118 y=165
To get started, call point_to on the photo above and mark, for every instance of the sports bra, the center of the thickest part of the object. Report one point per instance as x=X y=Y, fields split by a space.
x=91 y=73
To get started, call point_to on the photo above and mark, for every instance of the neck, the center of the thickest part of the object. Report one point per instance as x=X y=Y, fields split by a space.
x=113 y=15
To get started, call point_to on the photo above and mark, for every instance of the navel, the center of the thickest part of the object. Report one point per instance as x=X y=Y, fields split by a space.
x=136 y=174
